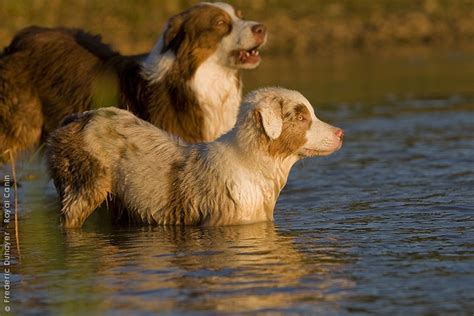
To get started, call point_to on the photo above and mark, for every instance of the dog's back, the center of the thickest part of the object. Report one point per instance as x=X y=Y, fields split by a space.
x=34 y=37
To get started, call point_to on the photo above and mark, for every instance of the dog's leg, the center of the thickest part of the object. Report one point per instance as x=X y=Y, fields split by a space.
x=83 y=186
x=82 y=181
x=76 y=208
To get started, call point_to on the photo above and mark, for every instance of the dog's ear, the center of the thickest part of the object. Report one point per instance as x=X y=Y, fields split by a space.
x=172 y=30
x=271 y=115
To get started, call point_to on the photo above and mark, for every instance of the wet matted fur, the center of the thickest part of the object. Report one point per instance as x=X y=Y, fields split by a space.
x=189 y=84
x=158 y=179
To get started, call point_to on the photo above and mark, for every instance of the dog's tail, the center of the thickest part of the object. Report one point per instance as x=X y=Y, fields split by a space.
x=82 y=181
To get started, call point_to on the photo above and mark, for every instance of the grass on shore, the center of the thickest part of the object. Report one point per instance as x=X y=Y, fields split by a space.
x=296 y=27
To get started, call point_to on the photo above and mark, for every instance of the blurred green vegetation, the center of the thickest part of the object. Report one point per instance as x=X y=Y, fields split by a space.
x=296 y=27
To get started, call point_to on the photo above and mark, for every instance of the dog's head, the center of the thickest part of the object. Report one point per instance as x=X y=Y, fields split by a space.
x=286 y=121
x=214 y=28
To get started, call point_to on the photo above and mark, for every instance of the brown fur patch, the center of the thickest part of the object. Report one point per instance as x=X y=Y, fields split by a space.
x=195 y=34
x=296 y=123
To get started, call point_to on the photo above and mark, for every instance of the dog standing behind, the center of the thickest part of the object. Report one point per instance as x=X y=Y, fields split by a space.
x=234 y=180
x=189 y=84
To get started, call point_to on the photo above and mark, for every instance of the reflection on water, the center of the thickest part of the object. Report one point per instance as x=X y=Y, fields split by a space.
x=234 y=269
x=385 y=226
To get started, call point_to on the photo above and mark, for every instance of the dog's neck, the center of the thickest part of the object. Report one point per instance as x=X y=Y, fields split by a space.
x=250 y=146
x=218 y=90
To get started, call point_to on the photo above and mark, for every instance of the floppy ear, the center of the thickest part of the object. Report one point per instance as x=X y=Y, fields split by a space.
x=270 y=114
x=172 y=31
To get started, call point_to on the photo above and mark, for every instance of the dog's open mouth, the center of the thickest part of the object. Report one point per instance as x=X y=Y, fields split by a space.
x=250 y=56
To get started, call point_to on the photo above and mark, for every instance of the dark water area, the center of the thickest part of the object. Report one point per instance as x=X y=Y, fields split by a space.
x=384 y=226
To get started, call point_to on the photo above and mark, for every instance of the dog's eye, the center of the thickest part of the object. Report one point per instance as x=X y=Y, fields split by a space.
x=220 y=22
x=300 y=117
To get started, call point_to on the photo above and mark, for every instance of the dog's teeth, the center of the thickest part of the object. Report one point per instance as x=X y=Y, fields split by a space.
x=254 y=52
x=247 y=54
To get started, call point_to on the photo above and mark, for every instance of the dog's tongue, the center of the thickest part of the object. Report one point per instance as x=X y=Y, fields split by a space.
x=249 y=57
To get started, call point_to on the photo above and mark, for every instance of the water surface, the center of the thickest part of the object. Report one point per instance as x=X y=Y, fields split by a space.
x=384 y=226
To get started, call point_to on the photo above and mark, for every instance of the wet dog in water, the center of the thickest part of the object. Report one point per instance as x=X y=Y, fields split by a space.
x=188 y=85
x=160 y=180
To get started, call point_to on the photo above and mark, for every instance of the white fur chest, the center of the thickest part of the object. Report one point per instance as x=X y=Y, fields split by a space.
x=218 y=91
x=252 y=195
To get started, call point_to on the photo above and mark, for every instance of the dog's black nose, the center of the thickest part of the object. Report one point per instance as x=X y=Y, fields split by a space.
x=259 y=30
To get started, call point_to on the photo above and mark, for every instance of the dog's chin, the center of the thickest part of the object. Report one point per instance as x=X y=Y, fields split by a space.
x=308 y=152
x=248 y=65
